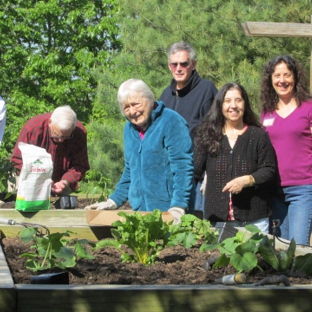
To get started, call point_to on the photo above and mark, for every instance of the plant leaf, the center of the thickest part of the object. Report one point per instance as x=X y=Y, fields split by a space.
x=66 y=257
x=81 y=251
x=268 y=253
x=208 y=247
x=252 y=228
x=248 y=246
x=222 y=261
x=29 y=255
x=107 y=243
x=28 y=234
x=304 y=263
x=245 y=262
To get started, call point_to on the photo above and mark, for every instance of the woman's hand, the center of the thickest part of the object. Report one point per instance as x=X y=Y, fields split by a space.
x=236 y=185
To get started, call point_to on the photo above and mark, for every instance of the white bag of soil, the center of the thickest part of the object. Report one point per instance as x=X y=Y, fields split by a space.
x=34 y=186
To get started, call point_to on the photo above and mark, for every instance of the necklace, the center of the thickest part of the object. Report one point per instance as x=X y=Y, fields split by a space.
x=234 y=135
x=233 y=138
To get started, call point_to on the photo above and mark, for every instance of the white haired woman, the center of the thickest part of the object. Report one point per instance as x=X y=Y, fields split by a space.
x=158 y=172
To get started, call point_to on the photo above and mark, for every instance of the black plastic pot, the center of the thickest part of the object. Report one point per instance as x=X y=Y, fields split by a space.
x=51 y=278
x=66 y=202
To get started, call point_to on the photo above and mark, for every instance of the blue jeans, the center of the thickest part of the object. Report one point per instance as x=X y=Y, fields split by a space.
x=292 y=205
x=200 y=200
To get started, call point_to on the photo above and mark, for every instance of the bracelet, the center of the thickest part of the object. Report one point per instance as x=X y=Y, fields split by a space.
x=252 y=181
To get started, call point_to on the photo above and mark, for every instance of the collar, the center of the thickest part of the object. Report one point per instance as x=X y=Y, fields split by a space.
x=191 y=84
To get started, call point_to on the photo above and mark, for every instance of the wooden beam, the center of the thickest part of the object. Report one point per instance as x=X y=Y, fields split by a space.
x=277 y=29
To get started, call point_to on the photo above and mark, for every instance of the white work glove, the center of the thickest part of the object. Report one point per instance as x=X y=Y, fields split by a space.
x=177 y=213
x=107 y=205
x=203 y=186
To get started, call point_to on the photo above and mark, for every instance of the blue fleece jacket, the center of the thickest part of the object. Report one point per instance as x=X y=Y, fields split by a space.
x=158 y=172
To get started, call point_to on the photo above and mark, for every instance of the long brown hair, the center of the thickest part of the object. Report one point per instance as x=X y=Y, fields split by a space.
x=209 y=132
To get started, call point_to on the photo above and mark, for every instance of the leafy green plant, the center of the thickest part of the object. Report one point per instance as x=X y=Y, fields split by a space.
x=280 y=260
x=190 y=230
x=285 y=260
x=96 y=184
x=303 y=263
x=7 y=173
x=145 y=234
x=53 y=250
x=240 y=250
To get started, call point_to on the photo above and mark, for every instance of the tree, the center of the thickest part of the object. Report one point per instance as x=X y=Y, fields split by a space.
x=225 y=54
x=148 y=27
x=48 y=52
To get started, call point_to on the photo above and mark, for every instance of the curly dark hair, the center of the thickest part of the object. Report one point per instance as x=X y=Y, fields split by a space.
x=269 y=97
x=209 y=133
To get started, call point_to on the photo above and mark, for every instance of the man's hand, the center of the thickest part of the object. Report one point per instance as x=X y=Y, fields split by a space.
x=59 y=187
x=177 y=213
x=107 y=205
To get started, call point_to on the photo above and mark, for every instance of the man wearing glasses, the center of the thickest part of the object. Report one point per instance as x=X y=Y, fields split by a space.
x=188 y=94
x=65 y=138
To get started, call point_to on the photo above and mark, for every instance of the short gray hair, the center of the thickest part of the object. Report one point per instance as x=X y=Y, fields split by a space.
x=131 y=86
x=64 y=117
x=182 y=46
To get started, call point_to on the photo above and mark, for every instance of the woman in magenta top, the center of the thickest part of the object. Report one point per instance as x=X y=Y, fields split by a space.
x=287 y=117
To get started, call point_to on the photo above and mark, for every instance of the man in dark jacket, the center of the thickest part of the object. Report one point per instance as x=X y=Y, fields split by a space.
x=188 y=94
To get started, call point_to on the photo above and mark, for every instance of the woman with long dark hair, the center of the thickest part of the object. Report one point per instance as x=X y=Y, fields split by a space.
x=239 y=160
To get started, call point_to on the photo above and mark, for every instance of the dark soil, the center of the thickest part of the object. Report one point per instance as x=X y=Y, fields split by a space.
x=174 y=266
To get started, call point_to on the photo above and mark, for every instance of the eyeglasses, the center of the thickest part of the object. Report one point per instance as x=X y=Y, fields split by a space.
x=174 y=65
x=60 y=137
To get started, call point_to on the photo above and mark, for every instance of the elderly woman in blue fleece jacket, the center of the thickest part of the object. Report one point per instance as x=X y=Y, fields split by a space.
x=158 y=172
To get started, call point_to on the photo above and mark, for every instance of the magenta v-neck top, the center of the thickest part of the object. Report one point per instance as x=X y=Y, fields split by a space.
x=292 y=140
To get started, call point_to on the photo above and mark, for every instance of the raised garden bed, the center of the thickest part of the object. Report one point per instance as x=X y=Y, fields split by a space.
x=154 y=298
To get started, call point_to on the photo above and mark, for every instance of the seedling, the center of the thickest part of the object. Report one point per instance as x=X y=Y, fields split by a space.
x=53 y=250
x=240 y=250
x=146 y=235
x=280 y=260
x=190 y=231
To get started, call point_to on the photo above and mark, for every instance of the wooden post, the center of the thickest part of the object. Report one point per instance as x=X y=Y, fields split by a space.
x=280 y=30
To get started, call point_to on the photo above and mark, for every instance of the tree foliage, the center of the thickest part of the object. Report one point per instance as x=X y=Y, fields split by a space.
x=214 y=28
x=56 y=52
x=48 y=52
x=106 y=150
